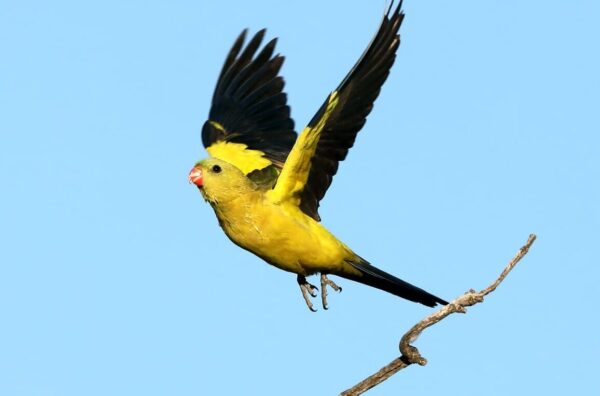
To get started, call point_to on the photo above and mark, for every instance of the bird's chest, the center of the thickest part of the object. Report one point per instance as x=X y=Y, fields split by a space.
x=255 y=227
x=246 y=229
x=274 y=234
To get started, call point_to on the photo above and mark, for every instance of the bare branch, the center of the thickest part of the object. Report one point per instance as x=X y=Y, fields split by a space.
x=410 y=354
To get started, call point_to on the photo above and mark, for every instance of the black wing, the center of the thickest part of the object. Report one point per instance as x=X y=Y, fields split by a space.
x=357 y=92
x=250 y=107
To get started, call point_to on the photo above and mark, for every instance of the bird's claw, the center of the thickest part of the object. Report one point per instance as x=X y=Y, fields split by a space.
x=325 y=281
x=308 y=290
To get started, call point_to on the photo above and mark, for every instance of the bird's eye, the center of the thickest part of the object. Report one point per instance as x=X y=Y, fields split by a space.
x=216 y=168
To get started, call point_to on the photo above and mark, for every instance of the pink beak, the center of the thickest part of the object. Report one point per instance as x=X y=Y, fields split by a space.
x=195 y=176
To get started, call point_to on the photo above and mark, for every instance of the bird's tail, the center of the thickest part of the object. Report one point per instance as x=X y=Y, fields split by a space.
x=373 y=276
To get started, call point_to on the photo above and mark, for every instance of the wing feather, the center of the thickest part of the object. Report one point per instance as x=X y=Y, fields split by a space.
x=249 y=121
x=325 y=142
x=295 y=172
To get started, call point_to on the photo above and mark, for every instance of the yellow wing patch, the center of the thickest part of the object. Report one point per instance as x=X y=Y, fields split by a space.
x=294 y=175
x=238 y=155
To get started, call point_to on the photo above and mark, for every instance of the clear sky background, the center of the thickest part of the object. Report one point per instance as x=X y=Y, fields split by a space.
x=115 y=278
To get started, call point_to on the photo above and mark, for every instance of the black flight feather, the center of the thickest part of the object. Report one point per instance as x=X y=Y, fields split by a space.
x=249 y=103
x=357 y=92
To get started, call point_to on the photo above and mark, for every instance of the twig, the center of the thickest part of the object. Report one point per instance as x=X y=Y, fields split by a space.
x=410 y=354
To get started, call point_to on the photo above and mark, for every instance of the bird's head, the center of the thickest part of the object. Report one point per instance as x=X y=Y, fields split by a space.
x=219 y=181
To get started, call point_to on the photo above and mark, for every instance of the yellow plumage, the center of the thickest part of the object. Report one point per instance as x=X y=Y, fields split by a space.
x=238 y=154
x=265 y=185
x=275 y=230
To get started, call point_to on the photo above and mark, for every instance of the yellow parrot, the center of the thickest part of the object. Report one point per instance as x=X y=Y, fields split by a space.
x=265 y=184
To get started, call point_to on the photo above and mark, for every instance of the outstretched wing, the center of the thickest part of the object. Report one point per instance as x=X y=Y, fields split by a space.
x=249 y=122
x=326 y=140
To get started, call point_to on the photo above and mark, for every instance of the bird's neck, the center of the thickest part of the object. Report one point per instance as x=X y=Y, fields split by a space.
x=237 y=203
x=237 y=211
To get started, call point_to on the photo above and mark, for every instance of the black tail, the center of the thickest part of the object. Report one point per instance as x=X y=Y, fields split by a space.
x=379 y=279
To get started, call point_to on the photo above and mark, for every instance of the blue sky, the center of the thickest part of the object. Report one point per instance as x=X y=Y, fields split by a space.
x=115 y=278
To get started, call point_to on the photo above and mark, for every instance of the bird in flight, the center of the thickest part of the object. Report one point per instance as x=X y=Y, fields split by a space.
x=264 y=182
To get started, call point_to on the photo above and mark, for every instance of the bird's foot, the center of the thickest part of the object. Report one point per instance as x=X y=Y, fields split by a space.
x=308 y=290
x=325 y=281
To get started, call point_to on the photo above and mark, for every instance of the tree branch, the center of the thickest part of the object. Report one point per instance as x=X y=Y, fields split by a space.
x=410 y=354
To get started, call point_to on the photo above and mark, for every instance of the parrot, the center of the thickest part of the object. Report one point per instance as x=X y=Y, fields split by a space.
x=264 y=182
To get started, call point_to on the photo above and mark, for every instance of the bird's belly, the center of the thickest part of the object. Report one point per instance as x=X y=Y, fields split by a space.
x=291 y=243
